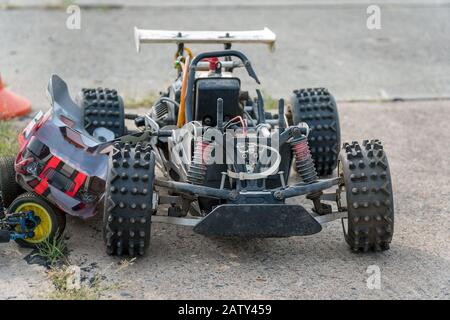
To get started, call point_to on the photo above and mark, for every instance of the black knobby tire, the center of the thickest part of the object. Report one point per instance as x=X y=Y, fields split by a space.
x=8 y=186
x=103 y=108
x=58 y=218
x=317 y=107
x=368 y=191
x=129 y=199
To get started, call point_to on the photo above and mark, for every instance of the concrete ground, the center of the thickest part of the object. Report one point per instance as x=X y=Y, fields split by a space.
x=316 y=46
x=327 y=46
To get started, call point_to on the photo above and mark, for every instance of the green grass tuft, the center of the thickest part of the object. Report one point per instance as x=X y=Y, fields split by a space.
x=270 y=103
x=8 y=139
x=60 y=276
x=87 y=290
x=53 y=251
x=146 y=101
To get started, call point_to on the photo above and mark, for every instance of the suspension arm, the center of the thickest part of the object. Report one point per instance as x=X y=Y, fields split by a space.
x=302 y=189
x=278 y=194
x=195 y=189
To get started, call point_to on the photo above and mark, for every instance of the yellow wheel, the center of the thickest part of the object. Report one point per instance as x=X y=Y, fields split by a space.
x=51 y=220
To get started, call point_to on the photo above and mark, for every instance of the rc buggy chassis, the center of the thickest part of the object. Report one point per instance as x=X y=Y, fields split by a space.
x=206 y=155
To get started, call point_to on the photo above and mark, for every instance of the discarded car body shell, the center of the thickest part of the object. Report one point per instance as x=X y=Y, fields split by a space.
x=58 y=160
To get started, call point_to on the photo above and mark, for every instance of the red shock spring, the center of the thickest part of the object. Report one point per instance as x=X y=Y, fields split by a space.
x=200 y=154
x=197 y=169
x=304 y=162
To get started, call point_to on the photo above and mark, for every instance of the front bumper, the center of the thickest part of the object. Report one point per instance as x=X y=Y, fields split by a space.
x=258 y=221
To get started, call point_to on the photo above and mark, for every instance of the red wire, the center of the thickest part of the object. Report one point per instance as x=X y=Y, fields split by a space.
x=241 y=121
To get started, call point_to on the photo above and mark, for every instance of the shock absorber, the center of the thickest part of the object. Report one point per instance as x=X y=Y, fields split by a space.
x=307 y=171
x=303 y=159
x=197 y=169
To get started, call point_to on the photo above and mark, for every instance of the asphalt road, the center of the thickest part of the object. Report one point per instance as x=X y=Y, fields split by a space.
x=182 y=264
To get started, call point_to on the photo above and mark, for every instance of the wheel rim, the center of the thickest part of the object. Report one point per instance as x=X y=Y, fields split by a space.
x=44 y=228
x=342 y=191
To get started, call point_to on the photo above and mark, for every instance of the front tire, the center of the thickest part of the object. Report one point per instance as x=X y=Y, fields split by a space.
x=368 y=195
x=128 y=205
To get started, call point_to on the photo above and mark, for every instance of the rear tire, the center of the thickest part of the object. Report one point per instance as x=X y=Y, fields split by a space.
x=369 y=197
x=128 y=205
x=103 y=108
x=9 y=188
x=318 y=109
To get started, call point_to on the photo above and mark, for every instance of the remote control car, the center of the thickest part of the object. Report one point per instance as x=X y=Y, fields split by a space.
x=206 y=155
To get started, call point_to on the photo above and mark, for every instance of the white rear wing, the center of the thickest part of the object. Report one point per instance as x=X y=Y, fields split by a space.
x=265 y=36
